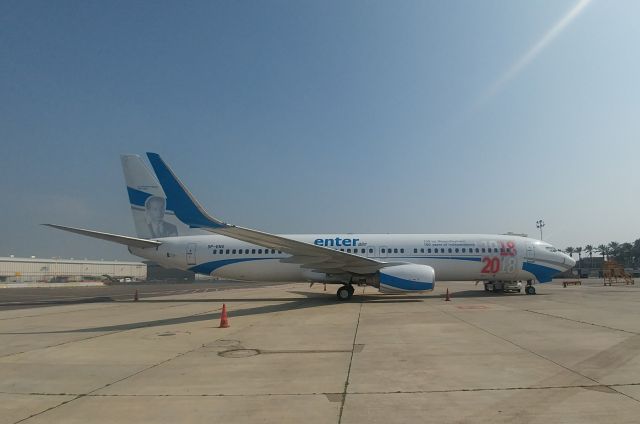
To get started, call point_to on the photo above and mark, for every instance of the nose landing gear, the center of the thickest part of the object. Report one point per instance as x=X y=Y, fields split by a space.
x=530 y=289
x=345 y=292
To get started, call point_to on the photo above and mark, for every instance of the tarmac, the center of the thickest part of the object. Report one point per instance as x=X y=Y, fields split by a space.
x=295 y=354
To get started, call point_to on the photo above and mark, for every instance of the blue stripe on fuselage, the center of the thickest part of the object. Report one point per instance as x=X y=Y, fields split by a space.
x=543 y=274
x=207 y=268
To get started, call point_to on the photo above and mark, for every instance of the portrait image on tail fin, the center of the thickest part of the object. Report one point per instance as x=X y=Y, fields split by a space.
x=152 y=212
x=155 y=208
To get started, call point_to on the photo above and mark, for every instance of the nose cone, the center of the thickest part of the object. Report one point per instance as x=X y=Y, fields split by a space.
x=569 y=262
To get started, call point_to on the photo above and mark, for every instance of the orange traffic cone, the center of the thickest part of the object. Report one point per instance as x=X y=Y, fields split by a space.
x=135 y=296
x=224 y=320
x=447 y=297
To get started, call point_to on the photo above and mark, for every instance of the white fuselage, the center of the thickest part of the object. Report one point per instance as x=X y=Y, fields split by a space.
x=456 y=257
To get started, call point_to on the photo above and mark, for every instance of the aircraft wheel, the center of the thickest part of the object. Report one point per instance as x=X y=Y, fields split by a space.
x=530 y=290
x=344 y=293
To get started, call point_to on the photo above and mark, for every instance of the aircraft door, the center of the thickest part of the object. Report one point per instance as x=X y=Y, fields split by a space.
x=191 y=254
x=530 y=252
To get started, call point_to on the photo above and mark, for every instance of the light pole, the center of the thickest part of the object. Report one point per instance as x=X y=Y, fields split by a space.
x=539 y=225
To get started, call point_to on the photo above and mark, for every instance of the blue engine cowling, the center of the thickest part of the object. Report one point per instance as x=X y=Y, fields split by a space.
x=406 y=278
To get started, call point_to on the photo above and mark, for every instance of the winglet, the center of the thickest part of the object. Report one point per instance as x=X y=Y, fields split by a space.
x=186 y=207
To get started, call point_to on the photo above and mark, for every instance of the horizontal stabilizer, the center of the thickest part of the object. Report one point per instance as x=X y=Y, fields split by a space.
x=115 y=238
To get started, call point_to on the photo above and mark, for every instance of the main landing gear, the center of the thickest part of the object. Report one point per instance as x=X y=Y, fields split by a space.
x=345 y=292
x=530 y=289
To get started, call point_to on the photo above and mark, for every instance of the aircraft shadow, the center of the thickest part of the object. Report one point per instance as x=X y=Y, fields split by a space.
x=311 y=300
x=99 y=299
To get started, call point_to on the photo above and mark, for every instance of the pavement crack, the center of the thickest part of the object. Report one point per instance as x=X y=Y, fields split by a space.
x=333 y=397
x=353 y=350
x=90 y=393
x=597 y=383
x=581 y=322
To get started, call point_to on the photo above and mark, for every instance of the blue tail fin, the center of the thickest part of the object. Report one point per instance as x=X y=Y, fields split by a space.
x=185 y=206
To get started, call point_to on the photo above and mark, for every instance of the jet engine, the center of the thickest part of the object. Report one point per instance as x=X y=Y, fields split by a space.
x=406 y=278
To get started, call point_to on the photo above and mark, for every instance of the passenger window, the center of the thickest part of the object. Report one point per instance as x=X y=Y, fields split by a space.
x=422 y=250
x=401 y=250
x=415 y=250
x=370 y=250
x=253 y=251
x=464 y=250
x=395 y=250
x=483 y=250
x=273 y=251
x=495 y=250
x=259 y=251
x=477 y=250
x=348 y=250
x=450 y=250
x=457 y=250
x=429 y=250
x=342 y=250
x=279 y=252
x=227 y=251
x=246 y=251
x=214 y=251
x=233 y=251
x=362 y=251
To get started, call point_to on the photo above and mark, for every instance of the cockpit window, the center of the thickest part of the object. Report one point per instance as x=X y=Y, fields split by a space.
x=551 y=249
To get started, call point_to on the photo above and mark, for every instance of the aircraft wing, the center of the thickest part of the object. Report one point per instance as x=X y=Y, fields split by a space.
x=316 y=258
x=127 y=241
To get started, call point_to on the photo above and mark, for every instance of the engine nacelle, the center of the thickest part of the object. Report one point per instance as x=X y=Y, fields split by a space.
x=406 y=278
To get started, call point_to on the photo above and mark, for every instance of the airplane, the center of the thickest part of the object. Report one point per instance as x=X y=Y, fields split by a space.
x=175 y=231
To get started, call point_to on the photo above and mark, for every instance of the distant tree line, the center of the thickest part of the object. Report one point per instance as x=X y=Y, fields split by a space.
x=626 y=254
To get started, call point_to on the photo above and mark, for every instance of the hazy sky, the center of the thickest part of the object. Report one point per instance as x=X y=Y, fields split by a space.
x=300 y=116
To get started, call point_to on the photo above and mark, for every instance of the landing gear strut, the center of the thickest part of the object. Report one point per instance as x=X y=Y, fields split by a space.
x=345 y=292
x=530 y=289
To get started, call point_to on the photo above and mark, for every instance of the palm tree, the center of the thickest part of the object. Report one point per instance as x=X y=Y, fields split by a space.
x=636 y=251
x=570 y=251
x=625 y=250
x=578 y=250
x=603 y=250
x=589 y=250
x=613 y=249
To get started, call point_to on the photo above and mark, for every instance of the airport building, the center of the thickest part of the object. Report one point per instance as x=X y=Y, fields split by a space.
x=32 y=270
